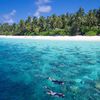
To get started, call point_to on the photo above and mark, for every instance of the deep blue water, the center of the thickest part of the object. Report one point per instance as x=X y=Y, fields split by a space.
x=26 y=64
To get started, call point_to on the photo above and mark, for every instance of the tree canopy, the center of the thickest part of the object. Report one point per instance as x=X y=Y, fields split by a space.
x=79 y=23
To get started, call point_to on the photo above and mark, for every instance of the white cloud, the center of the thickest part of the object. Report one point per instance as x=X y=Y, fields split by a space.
x=42 y=7
x=39 y=2
x=13 y=12
x=10 y=21
x=37 y=14
x=8 y=18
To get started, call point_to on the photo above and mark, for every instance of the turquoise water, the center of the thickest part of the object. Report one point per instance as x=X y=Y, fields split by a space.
x=26 y=64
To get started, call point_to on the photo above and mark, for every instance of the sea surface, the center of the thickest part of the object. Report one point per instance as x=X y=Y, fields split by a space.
x=26 y=64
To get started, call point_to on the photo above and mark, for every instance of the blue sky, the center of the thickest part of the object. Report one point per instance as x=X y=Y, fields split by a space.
x=13 y=10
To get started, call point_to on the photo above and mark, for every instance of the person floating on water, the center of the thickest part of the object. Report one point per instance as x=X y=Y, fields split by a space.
x=55 y=94
x=56 y=81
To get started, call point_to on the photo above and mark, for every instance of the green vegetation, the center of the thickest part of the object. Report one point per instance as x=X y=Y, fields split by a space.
x=91 y=33
x=79 y=23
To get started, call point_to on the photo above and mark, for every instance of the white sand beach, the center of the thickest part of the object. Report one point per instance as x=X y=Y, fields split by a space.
x=68 y=38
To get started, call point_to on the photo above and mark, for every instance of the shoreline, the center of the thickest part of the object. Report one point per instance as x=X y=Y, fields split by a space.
x=67 y=38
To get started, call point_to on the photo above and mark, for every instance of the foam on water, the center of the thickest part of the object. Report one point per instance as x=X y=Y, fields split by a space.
x=26 y=64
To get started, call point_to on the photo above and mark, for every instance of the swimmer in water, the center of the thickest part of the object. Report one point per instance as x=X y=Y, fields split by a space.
x=55 y=94
x=56 y=81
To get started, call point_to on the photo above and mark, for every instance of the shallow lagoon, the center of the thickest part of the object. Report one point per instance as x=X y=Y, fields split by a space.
x=26 y=64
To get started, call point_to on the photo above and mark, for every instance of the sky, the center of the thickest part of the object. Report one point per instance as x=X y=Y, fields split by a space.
x=12 y=11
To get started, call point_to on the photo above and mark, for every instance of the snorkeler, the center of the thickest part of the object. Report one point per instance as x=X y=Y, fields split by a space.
x=55 y=94
x=56 y=81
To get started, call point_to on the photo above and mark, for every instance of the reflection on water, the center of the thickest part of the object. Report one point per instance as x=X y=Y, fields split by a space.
x=25 y=66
